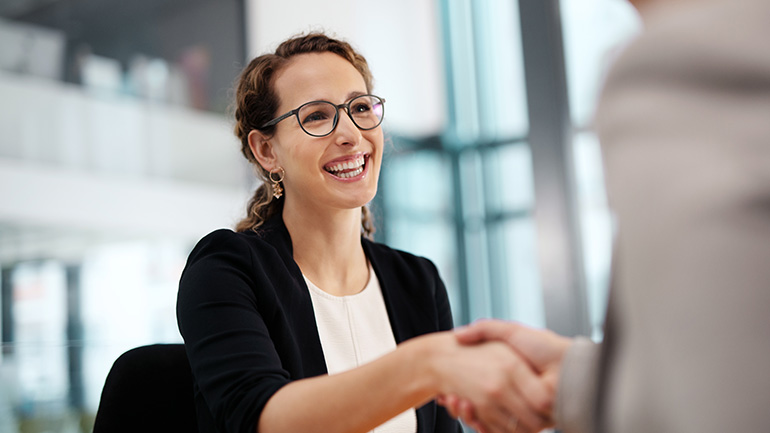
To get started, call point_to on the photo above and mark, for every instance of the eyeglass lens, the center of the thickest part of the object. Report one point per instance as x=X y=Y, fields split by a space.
x=318 y=118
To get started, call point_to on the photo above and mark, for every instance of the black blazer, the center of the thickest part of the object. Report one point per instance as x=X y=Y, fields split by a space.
x=249 y=328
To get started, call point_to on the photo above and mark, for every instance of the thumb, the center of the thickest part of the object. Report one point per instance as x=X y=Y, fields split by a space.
x=485 y=330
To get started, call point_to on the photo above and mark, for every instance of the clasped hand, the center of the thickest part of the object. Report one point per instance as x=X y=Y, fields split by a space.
x=509 y=383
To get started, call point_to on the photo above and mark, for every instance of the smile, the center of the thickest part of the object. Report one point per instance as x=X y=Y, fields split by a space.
x=347 y=169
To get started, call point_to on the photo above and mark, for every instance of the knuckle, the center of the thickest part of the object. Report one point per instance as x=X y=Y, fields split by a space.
x=541 y=402
x=494 y=390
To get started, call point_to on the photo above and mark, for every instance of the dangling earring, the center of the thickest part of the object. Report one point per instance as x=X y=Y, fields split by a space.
x=277 y=189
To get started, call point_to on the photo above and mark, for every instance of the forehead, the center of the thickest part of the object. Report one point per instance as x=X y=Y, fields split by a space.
x=314 y=76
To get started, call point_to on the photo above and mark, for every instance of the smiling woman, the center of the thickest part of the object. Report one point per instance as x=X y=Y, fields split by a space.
x=297 y=321
x=322 y=84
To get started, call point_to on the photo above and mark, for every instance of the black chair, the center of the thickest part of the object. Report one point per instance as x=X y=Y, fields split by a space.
x=148 y=389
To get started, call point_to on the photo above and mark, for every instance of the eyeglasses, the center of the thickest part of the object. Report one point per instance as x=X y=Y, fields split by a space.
x=320 y=118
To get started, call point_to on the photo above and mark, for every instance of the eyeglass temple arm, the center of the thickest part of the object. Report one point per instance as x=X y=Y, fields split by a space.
x=279 y=118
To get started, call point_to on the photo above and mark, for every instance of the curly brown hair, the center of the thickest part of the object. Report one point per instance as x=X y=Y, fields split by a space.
x=256 y=103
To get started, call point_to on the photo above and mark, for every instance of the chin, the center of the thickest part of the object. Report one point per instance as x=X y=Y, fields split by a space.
x=359 y=200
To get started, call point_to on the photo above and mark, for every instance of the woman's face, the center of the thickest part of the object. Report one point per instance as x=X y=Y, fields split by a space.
x=321 y=171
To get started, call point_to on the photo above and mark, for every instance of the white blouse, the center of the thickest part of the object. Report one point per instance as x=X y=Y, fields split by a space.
x=354 y=330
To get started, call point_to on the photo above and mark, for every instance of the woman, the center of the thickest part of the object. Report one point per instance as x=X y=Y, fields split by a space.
x=291 y=322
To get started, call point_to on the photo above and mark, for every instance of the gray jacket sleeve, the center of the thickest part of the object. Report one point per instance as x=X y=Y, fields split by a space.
x=576 y=394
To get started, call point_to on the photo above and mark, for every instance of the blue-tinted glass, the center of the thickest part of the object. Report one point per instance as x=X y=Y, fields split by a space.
x=596 y=226
x=127 y=283
x=525 y=301
x=486 y=74
x=500 y=69
x=417 y=183
x=433 y=238
x=595 y=31
x=38 y=356
x=509 y=184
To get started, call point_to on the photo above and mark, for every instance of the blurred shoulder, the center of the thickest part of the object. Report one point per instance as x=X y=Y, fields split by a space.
x=714 y=37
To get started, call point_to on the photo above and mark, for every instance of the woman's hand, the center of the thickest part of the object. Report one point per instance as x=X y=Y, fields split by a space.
x=540 y=349
x=488 y=385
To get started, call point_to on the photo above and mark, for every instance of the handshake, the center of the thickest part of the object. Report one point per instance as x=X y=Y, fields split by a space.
x=502 y=376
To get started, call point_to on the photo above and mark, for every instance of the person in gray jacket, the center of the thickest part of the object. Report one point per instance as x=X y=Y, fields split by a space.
x=684 y=121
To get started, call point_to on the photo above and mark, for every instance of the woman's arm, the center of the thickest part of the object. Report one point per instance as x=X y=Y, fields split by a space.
x=246 y=384
x=417 y=371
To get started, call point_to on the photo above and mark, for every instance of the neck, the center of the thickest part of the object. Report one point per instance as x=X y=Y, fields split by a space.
x=327 y=247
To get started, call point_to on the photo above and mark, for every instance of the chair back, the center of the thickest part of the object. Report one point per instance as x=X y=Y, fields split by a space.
x=148 y=389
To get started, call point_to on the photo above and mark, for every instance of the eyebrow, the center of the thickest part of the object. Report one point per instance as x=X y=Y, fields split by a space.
x=352 y=95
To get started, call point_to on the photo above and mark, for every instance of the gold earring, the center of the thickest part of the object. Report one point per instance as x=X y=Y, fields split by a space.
x=277 y=189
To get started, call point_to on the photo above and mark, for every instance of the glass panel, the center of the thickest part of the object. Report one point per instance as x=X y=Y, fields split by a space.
x=519 y=269
x=129 y=299
x=39 y=354
x=461 y=73
x=434 y=239
x=486 y=73
x=417 y=183
x=594 y=32
x=471 y=172
x=416 y=192
x=500 y=69
x=509 y=184
x=480 y=296
x=51 y=376
x=596 y=226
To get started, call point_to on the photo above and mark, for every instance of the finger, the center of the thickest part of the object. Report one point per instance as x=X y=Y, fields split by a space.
x=538 y=396
x=481 y=421
x=526 y=419
x=468 y=417
x=476 y=426
x=465 y=410
x=452 y=404
x=485 y=330
x=493 y=413
x=512 y=405
x=512 y=396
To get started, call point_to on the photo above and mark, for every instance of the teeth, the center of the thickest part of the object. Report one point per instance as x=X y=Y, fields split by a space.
x=357 y=164
x=350 y=174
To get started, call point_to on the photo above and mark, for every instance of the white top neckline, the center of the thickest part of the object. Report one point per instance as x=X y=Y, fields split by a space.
x=315 y=290
x=355 y=329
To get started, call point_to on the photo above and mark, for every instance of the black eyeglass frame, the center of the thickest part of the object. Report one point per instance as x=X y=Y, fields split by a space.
x=346 y=106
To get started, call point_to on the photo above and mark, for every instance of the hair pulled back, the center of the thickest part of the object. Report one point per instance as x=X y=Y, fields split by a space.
x=256 y=103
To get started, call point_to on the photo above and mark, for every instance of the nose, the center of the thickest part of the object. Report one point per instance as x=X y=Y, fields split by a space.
x=346 y=131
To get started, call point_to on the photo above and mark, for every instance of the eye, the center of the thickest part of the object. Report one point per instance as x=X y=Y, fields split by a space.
x=317 y=112
x=361 y=107
x=315 y=116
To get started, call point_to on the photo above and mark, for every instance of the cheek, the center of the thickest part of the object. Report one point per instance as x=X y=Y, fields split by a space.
x=297 y=155
x=378 y=142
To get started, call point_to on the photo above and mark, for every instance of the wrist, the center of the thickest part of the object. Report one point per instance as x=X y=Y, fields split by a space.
x=424 y=356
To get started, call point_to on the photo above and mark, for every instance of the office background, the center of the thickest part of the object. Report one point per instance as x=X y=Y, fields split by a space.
x=116 y=156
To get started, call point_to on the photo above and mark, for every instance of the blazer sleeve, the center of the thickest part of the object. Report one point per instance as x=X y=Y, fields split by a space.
x=576 y=394
x=233 y=359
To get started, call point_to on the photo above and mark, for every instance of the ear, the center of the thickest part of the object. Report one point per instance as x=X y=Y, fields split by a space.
x=262 y=150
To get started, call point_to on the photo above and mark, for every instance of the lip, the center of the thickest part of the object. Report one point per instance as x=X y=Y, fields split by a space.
x=346 y=159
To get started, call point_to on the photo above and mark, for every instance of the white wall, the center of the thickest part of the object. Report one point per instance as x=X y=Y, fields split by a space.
x=399 y=38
